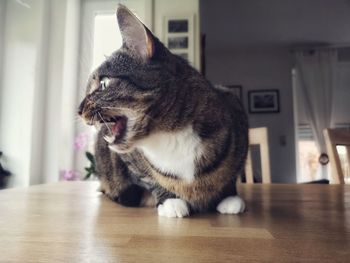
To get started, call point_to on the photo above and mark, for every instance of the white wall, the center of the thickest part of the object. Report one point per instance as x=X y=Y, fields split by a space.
x=256 y=69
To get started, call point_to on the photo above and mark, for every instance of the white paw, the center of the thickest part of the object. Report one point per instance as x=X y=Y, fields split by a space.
x=173 y=207
x=231 y=205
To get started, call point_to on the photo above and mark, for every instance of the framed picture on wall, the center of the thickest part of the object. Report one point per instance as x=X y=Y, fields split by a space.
x=179 y=36
x=263 y=101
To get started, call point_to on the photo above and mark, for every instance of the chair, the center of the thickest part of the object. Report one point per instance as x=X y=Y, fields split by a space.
x=259 y=136
x=334 y=137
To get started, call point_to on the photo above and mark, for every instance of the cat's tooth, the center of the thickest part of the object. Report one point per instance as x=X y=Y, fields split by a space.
x=108 y=139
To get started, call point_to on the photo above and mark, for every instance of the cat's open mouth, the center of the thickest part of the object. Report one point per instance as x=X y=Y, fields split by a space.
x=116 y=128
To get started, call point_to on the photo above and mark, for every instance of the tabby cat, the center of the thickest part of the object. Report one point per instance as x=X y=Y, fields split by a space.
x=164 y=129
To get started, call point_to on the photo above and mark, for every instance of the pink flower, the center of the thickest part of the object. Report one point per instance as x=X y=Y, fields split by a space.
x=81 y=141
x=69 y=175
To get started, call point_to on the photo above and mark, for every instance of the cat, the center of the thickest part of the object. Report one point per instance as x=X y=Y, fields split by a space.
x=164 y=129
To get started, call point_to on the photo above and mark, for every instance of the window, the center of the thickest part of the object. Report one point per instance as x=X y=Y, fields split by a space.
x=307 y=154
x=107 y=37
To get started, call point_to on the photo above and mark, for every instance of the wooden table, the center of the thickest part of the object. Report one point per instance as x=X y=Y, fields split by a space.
x=71 y=222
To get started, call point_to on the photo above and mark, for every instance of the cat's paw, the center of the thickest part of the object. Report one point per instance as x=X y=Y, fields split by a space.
x=173 y=207
x=231 y=205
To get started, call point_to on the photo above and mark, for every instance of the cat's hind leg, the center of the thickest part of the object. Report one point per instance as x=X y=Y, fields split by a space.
x=231 y=205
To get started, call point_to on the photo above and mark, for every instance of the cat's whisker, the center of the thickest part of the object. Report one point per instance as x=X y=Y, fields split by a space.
x=92 y=119
x=109 y=129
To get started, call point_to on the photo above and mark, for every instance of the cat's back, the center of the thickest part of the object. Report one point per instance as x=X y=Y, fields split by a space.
x=229 y=97
x=232 y=107
x=238 y=117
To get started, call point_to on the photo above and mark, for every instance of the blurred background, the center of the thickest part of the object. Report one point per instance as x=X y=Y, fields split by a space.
x=268 y=51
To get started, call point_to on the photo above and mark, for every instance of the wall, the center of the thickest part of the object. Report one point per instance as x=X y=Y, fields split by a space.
x=275 y=22
x=256 y=69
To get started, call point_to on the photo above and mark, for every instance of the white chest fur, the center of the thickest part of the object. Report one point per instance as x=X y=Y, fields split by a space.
x=174 y=153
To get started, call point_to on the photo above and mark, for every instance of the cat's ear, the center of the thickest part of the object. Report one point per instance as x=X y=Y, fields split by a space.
x=136 y=36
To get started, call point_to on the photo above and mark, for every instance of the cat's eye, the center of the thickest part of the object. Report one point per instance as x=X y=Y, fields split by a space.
x=104 y=83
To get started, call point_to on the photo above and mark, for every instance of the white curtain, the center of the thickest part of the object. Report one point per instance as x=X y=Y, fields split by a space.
x=317 y=71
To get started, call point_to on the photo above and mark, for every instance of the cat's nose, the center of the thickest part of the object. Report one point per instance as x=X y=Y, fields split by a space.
x=81 y=108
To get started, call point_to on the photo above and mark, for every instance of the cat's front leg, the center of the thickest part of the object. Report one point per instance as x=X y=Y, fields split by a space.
x=173 y=207
x=113 y=174
x=168 y=205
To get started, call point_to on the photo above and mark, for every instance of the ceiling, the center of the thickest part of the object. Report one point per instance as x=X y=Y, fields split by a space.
x=251 y=23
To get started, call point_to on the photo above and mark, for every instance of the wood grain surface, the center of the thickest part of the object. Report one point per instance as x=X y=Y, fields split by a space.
x=72 y=222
